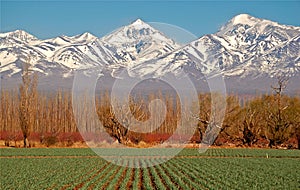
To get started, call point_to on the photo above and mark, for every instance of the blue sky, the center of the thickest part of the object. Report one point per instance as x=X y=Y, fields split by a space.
x=48 y=19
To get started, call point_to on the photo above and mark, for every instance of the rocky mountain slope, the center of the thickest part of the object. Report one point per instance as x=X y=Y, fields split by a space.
x=245 y=47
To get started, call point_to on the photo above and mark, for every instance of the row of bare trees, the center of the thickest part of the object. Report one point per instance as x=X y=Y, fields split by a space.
x=271 y=118
x=274 y=118
x=34 y=114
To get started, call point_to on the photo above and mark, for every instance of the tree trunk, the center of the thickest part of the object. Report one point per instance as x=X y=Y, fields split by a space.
x=25 y=140
x=298 y=138
x=200 y=134
x=271 y=143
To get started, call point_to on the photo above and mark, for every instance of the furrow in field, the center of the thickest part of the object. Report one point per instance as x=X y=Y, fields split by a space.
x=123 y=176
x=136 y=179
x=140 y=184
x=80 y=176
x=147 y=182
x=122 y=184
x=169 y=181
x=93 y=181
x=129 y=185
x=159 y=181
x=111 y=181
x=84 y=182
x=102 y=178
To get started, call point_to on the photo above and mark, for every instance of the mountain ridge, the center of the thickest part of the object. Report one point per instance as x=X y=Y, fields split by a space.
x=244 y=47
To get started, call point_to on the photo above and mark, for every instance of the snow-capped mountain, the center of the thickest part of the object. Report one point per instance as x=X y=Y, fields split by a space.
x=15 y=38
x=19 y=47
x=244 y=47
x=261 y=45
x=139 y=42
x=136 y=42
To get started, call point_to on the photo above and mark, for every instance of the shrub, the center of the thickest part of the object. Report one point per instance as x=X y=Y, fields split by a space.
x=50 y=140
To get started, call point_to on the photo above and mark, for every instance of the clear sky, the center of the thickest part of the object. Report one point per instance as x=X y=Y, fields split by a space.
x=48 y=19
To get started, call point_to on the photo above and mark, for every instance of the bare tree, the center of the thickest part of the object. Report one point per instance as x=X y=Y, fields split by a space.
x=204 y=115
x=27 y=96
x=212 y=111
x=281 y=85
x=250 y=128
x=277 y=125
x=119 y=128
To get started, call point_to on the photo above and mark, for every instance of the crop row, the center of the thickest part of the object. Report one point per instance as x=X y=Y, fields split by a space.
x=151 y=152
x=178 y=173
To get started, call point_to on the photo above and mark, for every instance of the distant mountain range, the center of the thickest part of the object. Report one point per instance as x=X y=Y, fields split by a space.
x=244 y=49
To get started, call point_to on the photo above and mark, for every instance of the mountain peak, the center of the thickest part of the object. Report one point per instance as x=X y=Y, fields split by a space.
x=20 y=35
x=137 y=30
x=138 y=22
x=86 y=35
x=19 y=32
x=244 y=19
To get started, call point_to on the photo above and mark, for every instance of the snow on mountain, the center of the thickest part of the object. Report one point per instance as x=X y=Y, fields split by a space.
x=84 y=56
x=66 y=40
x=83 y=38
x=16 y=38
x=18 y=46
x=253 y=34
x=139 y=42
x=136 y=42
x=261 y=45
x=245 y=46
x=13 y=46
x=130 y=44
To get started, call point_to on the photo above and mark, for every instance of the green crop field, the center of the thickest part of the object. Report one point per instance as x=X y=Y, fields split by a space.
x=215 y=169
